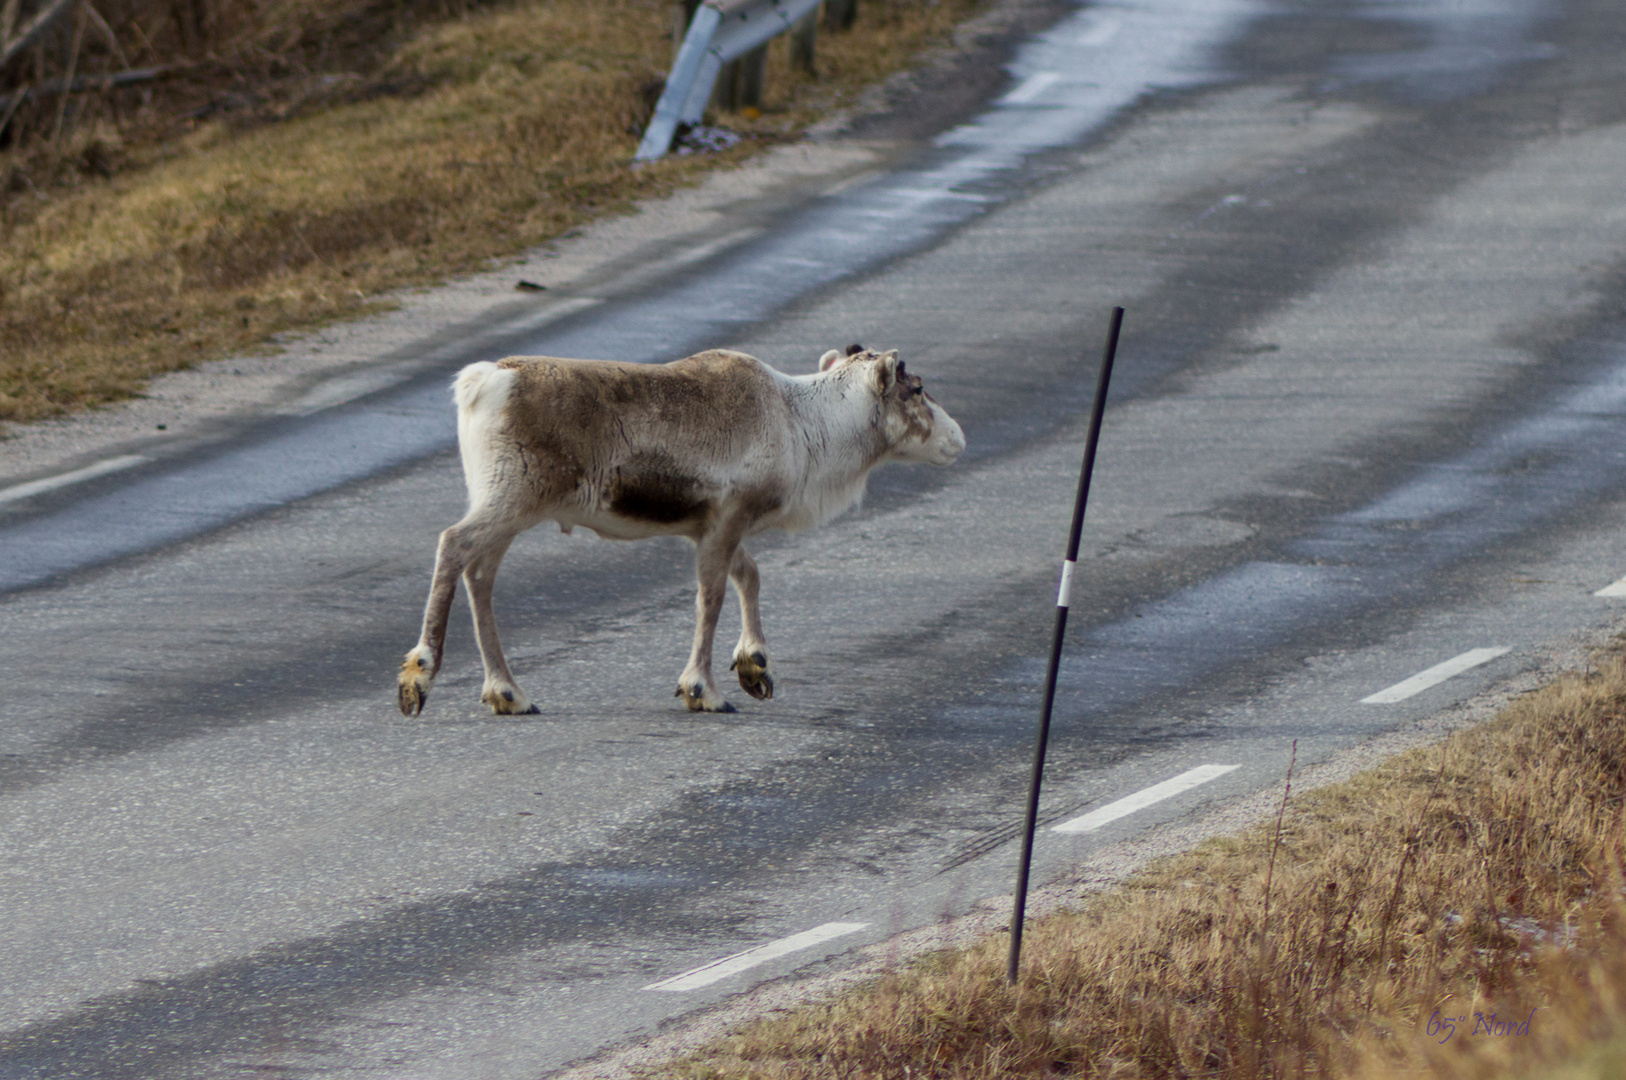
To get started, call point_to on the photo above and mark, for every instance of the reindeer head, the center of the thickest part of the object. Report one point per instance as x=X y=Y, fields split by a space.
x=915 y=427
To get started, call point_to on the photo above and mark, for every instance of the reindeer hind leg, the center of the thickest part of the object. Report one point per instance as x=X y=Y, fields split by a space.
x=422 y=663
x=500 y=692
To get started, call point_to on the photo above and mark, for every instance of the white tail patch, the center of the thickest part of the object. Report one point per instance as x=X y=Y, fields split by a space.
x=476 y=383
x=481 y=392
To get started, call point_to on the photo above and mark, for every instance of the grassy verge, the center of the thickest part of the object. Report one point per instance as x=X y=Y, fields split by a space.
x=520 y=124
x=1456 y=912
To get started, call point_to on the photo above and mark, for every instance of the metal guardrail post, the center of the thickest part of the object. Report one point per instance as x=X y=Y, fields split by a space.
x=740 y=82
x=669 y=109
x=721 y=31
x=839 y=14
x=803 y=41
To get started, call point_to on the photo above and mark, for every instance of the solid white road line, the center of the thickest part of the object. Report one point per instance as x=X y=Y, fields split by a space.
x=1127 y=805
x=1617 y=589
x=1435 y=675
x=750 y=958
x=51 y=483
x=1031 y=87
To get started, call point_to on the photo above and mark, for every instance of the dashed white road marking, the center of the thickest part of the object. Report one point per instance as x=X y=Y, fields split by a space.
x=1127 y=805
x=338 y=391
x=709 y=248
x=1435 y=675
x=851 y=182
x=51 y=483
x=1031 y=87
x=1618 y=589
x=554 y=312
x=750 y=958
x=1099 y=34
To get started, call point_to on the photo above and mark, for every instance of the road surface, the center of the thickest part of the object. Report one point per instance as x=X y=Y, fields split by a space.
x=1366 y=456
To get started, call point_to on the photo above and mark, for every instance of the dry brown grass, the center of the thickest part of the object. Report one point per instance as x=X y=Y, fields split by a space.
x=1429 y=888
x=521 y=125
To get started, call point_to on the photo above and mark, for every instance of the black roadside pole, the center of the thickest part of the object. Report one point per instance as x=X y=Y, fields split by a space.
x=1063 y=599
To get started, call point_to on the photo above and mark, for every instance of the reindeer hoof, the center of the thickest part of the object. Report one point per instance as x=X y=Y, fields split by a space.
x=695 y=700
x=507 y=701
x=754 y=676
x=410 y=698
x=412 y=687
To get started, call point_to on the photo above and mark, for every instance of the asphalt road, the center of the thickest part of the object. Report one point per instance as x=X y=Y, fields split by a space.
x=1370 y=416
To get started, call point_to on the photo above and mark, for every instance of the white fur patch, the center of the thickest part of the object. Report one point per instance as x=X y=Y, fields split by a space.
x=481 y=392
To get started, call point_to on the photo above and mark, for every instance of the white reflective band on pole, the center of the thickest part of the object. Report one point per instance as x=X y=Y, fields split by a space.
x=1065 y=597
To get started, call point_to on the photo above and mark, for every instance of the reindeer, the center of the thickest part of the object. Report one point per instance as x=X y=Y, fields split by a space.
x=716 y=447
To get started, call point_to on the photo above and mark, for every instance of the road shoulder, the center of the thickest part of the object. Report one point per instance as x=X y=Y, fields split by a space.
x=1108 y=869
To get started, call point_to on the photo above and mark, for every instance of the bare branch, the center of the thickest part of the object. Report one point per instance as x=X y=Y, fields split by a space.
x=107 y=32
x=80 y=84
x=11 y=108
x=73 y=67
x=31 y=31
x=8 y=19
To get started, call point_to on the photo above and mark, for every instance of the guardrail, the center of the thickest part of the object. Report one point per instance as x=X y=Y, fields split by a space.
x=721 y=31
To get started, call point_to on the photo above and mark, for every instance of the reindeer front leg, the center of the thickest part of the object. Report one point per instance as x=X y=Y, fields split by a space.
x=714 y=555
x=751 y=654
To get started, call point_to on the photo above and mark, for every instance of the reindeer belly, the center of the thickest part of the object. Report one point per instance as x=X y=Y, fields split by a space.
x=649 y=494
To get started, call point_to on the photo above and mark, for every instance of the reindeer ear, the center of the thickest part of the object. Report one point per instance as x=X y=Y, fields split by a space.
x=828 y=360
x=885 y=372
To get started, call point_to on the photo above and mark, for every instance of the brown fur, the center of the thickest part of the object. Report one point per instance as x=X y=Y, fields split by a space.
x=596 y=433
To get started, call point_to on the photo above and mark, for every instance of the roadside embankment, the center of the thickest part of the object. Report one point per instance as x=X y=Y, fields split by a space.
x=479 y=136
x=1455 y=912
